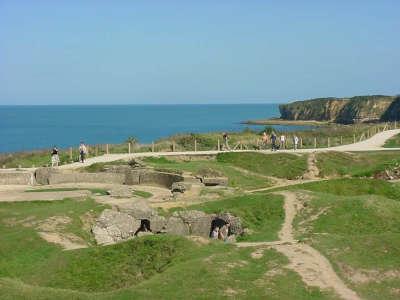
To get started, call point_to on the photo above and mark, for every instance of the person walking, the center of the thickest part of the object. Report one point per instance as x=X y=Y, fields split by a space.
x=295 y=142
x=225 y=138
x=55 y=158
x=265 y=139
x=283 y=141
x=273 y=141
x=82 y=152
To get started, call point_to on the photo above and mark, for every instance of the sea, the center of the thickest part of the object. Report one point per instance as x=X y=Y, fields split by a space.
x=26 y=128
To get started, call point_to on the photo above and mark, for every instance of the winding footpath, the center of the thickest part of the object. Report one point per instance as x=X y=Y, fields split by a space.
x=314 y=268
x=374 y=143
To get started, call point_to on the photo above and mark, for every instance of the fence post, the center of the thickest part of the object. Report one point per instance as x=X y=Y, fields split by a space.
x=241 y=145
x=70 y=153
x=129 y=148
x=301 y=142
x=354 y=138
x=152 y=146
x=341 y=140
x=395 y=124
x=173 y=146
x=195 y=145
x=315 y=142
x=219 y=146
x=107 y=150
x=329 y=142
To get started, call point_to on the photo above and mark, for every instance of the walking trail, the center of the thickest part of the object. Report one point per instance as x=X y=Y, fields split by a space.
x=314 y=269
x=374 y=143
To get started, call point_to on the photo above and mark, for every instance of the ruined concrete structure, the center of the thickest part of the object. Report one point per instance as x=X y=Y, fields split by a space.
x=114 y=226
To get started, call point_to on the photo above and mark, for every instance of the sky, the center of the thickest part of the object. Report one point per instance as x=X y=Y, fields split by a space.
x=175 y=52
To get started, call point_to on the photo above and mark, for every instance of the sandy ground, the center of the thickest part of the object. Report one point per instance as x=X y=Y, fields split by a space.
x=314 y=269
x=374 y=143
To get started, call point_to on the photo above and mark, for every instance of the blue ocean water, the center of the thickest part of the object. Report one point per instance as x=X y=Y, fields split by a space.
x=25 y=128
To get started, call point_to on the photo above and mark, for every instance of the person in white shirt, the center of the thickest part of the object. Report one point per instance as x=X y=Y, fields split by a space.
x=282 y=139
x=82 y=152
x=295 y=142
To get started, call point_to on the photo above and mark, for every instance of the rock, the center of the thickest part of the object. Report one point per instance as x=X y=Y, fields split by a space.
x=176 y=226
x=199 y=222
x=213 y=181
x=140 y=210
x=342 y=110
x=113 y=226
x=180 y=187
x=234 y=222
x=158 y=224
x=42 y=175
x=120 y=192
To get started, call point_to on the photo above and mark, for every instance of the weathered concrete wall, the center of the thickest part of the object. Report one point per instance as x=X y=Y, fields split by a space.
x=17 y=178
x=159 y=178
x=129 y=177
x=56 y=178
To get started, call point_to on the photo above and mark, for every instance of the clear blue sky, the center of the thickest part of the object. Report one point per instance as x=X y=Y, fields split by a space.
x=208 y=51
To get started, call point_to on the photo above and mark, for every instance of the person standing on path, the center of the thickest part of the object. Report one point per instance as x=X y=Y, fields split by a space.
x=295 y=142
x=55 y=158
x=265 y=140
x=225 y=137
x=273 y=141
x=82 y=152
x=283 y=141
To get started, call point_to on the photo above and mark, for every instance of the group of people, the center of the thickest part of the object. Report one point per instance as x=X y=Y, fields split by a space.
x=220 y=233
x=55 y=156
x=280 y=143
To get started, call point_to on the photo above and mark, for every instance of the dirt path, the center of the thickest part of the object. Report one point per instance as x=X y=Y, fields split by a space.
x=314 y=269
x=312 y=169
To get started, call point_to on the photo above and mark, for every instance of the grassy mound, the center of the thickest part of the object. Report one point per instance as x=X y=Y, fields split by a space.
x=360 y=235
x=280 y=165
x=263 y=214
x=236 y=178
x=355 y=164
x=352 y=187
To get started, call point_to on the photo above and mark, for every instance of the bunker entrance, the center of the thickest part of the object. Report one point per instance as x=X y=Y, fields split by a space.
x=144 y=226
x=217 y=223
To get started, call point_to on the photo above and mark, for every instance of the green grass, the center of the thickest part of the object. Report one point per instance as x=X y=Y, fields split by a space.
x=263 y=214
x=364 y=164
x=280 y=165
x=236 y=178
x=152 y=267
x=351 y=187
x=358 y=232
x=142 y=194
x=393 y=142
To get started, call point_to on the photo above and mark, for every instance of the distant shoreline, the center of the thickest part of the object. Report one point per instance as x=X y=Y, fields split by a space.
x=278 y=121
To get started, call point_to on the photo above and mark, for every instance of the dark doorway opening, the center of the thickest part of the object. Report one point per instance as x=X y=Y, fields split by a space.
x=144 y=226
x=217 y=223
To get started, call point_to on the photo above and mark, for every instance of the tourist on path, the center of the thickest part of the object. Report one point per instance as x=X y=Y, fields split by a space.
x=82 y=152
x=283 y=141
x=225 y=138
x=265 y=140
x=55 y=158
x=295 y=142
x=273 y=142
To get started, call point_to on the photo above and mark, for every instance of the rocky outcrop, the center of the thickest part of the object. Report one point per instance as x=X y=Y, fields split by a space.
x=341 y=110
x=393 y=111
x=115 y=226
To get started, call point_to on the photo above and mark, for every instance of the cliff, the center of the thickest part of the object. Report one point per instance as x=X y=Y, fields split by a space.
x=343 y=110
